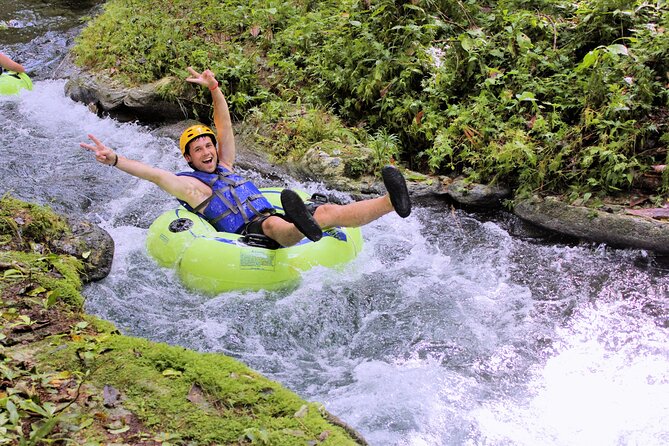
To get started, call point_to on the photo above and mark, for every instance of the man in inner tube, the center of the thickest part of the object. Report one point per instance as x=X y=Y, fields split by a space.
x=231 y=203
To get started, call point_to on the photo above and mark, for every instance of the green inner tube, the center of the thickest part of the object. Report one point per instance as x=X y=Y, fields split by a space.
x=214 y=262
x=12 y=83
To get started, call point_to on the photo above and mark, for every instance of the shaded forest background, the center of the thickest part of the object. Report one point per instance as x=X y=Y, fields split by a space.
x=546 y=96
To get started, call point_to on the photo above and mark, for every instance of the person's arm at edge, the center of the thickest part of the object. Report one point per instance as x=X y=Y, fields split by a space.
x=179 y=187
x=10 y=65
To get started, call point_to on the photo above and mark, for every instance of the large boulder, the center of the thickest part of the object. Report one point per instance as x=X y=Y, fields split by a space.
x=29 y=227
x=104 y=95
x=613 y=228
x=89 y=243
x=339 y=166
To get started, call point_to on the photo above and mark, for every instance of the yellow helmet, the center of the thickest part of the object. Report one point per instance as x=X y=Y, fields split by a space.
x=192 y=132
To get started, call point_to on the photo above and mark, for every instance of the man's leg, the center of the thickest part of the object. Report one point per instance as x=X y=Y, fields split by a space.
x=297 y=223
x=350 y=215
x=362 y=212
x=281 y=231
x=296 y=212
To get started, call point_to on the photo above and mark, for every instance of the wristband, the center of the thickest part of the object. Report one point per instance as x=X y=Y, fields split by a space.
x=214 y=87
x=115 y=161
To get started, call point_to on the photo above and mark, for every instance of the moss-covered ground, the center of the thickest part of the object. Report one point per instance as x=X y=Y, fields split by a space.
x=70 y=378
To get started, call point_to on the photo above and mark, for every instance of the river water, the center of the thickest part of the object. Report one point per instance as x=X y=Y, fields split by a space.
x=446 y=330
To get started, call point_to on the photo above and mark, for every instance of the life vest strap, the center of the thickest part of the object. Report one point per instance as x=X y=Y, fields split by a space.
x=223 y=176
x=233 y=207
x=223 y=215
x=239 y=204
x=200 y=207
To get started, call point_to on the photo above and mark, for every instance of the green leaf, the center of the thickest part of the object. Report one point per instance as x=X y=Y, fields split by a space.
x=523 y=41
x=43 y=430
x=379 y=10
x=467 y=44
x=12 y=274
x=588 y=60
x=414 y=7
x=38 y=290
x=255 y=434
x=119 y=431
x=81 y=325
x=85 y=423
x=50 y=299
x=13 y=413
x=31 y=406
x=526 y=96
x=618 y=49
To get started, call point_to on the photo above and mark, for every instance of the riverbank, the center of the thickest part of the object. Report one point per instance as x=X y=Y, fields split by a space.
x=69 y=376
x=633 y=219
x=458 y=359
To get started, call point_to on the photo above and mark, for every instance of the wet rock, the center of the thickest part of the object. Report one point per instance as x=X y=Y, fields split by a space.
x=145 y=100
x=142 y=103
x=615 y=229
x=90 y=244
x=82 y=89
x=477 y=195
x=174 y=130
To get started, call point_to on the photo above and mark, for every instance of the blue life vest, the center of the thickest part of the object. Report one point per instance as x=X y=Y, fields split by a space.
x=234 y=202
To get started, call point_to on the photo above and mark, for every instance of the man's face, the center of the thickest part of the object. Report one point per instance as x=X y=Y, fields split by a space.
x=202 y=154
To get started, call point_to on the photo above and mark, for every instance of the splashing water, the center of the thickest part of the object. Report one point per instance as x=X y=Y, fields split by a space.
x=444 y=331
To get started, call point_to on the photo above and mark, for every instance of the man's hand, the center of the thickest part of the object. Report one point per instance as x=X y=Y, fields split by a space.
x=103 y=154
x=205 y=78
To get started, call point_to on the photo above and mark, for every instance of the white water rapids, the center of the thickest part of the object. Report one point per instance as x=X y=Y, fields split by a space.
x=446 y=330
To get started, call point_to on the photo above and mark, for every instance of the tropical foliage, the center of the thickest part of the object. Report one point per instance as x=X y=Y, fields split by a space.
x=548 y=95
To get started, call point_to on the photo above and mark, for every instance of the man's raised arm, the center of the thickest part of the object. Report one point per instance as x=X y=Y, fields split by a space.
x=224 y=136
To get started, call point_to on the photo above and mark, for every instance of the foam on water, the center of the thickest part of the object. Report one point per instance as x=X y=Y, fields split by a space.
x=605 y=383
x=444 y=331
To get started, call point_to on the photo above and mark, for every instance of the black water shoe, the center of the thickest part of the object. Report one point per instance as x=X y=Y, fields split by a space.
x=397 y=189
x=299 y=215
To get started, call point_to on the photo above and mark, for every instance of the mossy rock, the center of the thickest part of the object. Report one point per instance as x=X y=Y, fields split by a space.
x=25 y=224
x=615 y=229
x=33 y=228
